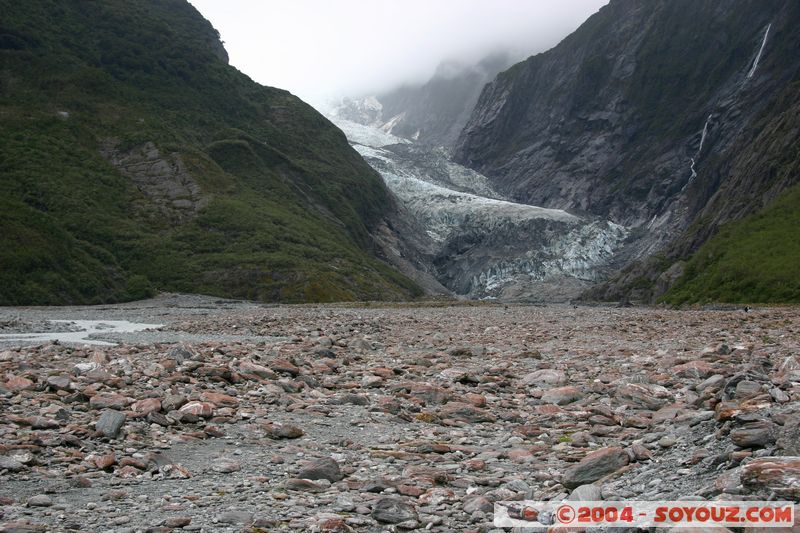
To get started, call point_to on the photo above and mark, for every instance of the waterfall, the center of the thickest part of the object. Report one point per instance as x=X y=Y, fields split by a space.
x=694 y=174
x=699 y=149
x=760 y=50
x=703 y=136
x=708 y=120
x=693 y=160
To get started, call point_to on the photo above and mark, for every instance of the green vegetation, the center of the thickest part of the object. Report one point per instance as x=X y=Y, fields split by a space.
x=287 y=205
x=753 y=260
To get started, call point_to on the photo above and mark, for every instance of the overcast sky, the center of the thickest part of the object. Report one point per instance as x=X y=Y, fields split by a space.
x=319 y=49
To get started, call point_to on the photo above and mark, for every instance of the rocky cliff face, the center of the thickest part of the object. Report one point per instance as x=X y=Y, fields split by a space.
x=656 y=115
x=431 y=113
x=171 y=191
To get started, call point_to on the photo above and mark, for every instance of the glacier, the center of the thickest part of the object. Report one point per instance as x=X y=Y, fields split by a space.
x=487 y=246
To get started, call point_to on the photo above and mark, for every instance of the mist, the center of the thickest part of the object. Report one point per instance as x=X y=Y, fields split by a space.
x=321 y=49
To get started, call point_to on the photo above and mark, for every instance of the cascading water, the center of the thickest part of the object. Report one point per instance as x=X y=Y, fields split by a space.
x=699 y=149
x=703 y=136
x=750 y=74
x=760 y=51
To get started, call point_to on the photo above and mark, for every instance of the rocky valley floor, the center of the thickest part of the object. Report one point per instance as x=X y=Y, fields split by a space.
x=241 y=417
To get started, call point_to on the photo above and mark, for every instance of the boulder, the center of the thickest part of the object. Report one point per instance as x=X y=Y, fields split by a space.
x=110 y=423
x=392 y=510
x=594 y=466
x=325 y=468
x=780 y=475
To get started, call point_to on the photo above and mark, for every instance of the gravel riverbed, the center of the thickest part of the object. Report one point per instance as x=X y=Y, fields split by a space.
x=236 y=416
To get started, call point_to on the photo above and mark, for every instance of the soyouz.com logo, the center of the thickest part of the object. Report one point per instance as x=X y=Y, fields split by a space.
x=644 y=514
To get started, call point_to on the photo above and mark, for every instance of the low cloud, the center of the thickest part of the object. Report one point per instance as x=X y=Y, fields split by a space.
x=319 y=49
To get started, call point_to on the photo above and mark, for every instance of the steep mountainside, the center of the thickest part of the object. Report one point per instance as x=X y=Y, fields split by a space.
x=133 y=157
x=673 y=117
x=433 y=113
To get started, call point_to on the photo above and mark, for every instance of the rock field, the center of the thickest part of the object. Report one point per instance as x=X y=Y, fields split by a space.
x=390 y=418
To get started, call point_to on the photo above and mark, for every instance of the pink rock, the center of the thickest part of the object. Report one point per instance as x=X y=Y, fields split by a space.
x=437 y=495
x=175 y=471
x=694 y=369
x=249 y=367
x=594 y=466
x=549 y=409
x=644 y=395
x=475 y=465
x=519 y=455
x=105 y=461
x=284 y=366
x=202 y=409
x=146 y=406
x=545 y=376
x=780 y=475
x=36 y=422
x=383 y=372
x=562 y=395
x=19 y=383
x=109 y=401
x=466 y=412
x=127 y=472
x=478 y=400
x=219 y=399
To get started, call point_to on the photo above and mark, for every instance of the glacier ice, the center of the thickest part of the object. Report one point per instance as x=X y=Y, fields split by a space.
x=486 y=244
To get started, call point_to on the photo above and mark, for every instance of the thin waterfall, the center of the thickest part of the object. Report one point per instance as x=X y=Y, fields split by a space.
x=694 y=174
x=750 y=74
x=703 y=136
x=693 y=160
x=699 y=149
x=760 y=51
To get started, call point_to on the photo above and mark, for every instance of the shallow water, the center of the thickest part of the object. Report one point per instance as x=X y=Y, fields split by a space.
x=85 y=330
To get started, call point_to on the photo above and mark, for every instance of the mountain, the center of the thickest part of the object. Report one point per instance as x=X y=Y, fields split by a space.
x=134 y=157
x=432 y=113
x=676 y=118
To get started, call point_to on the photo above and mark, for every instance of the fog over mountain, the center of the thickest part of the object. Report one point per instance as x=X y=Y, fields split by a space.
x=318 y=49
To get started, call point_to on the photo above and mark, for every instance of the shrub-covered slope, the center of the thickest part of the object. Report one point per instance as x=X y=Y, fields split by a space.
x=133 y=157
x=753 y=260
